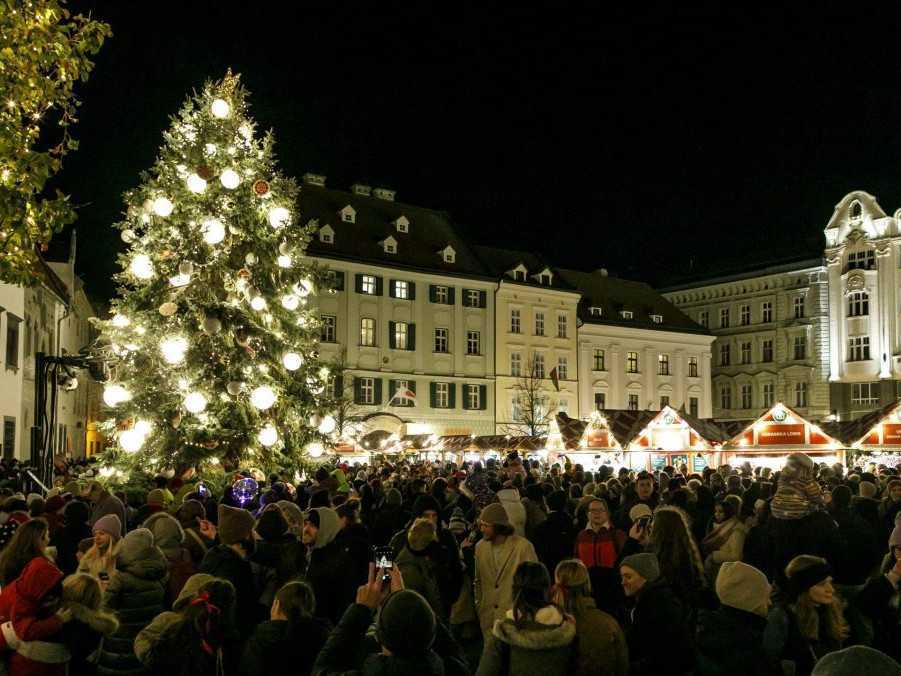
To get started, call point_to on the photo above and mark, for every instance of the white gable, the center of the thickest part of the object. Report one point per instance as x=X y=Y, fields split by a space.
x=402 y=223
x=544 y=277
x=448 y=255
x=519 y=272
x=859 y=213
x=348 y=214
x=327 y=234
x=389 y=244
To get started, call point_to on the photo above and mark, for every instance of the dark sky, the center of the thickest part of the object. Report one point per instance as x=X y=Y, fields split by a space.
x=645 y=141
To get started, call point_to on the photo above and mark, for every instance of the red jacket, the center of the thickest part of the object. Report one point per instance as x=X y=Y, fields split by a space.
x=599 y=549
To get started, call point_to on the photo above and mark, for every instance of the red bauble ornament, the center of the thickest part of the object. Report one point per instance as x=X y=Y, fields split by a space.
x=260 y=187
x=204 y=172
x=244 y=273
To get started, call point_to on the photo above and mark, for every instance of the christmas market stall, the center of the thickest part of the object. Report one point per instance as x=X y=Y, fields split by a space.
x=771 y=438
x=586 y=443
x=873 y=438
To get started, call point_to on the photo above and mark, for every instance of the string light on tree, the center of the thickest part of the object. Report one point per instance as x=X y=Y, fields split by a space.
x=173 y=349
x=220 y=109
x=142 y=267
x=120 y=321
x=195 y=402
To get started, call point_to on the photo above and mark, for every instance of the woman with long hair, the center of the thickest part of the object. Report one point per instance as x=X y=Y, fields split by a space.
x=30 y=541
x=681 y=565
x=809 y=621
x=100 y=559
x=291 y=636
x=726 y=538
x=600 y=643
x=536 y=636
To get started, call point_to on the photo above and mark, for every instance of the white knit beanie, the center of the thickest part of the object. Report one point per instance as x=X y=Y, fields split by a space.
x=741 y=586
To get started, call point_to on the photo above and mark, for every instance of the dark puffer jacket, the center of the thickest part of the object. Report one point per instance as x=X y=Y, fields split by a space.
x=274 y=644
x=541 y=646
x=136 y=592
x=730 y=642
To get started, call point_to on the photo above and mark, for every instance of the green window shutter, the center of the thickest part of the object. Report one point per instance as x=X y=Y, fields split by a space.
x=452 y=395
x=412 y=385
x=464 y=392
x=483 y=299
x=339 y=281
x=412 y=290
x=378 y=286
x=451 y=293
x=339 y=386
x=483 y=397
x=432 y=395
x=411 y=337
x=358 y=282
x=378 y=391
x=391 y=336
x=392 y=389
x=391 y=288
x=358 y=391
x=433 y=293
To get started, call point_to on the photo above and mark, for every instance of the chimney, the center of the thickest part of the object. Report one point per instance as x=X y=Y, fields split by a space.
x=384 y=194
x=360 y=189
x=314 y=179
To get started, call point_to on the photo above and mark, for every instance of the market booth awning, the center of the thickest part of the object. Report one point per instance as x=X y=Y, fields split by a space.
x=876 y=434
x=777 y=433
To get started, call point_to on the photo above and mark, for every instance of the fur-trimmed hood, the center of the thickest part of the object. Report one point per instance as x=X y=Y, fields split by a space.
x=98 y=620
x=550 y=629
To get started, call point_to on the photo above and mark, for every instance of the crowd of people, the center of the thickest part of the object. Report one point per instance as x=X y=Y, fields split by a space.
x=502 y=568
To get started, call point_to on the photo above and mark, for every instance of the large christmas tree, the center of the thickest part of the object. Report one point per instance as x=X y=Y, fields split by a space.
x=212 y=343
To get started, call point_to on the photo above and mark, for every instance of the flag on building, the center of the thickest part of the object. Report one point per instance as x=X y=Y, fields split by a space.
x=555 y=378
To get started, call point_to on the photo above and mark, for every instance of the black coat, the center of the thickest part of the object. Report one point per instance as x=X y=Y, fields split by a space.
x=333 y=579
x=815 y=534
x=66 y=542
x=730 y=643
x=387 y=521
x=446 y=559
x=657 y=620
x=555 y=539
x=783 y=640
x=875 y=601
x=354 y=541
x=859 y=552
x=222 y=561
x=275 y=649
x=285 y=558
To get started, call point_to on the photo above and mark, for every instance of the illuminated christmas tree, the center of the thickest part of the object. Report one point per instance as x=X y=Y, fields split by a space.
x=212 y=343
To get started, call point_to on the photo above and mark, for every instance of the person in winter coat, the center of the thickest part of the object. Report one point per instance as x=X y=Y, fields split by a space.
x=809 y=620
x=103 y=503
x=536 y=511
x=100 y=560
x=890 y=505
x=74 y=529
x=866 y=506
x=856 y=660
x=293 y=515
x=136 y=592
x=554 y=539
x=410 y=638
x=497 y=556
x=29 y=542
x=89 y=625
x=389 y=518
x=860 y=552
x=279 y=550
x=730 y=639
x=535 y=636
x=726 y=539
x=880 y=600
x=169 y=536
x=419 y=570
x=155 y=503
x=353 y=538
x=645 y=493
x=149 y=636
x=599 y=547
x=328 y=572
x=199 y=640
x=516 y=511
x=446 y=555
x=656 y=619
x=292 y=636
x=189 y=516
x=229 y=560
x=600 y=643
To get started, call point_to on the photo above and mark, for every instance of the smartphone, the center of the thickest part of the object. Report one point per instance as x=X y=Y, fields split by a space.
x=644 y=522
x=384 y=559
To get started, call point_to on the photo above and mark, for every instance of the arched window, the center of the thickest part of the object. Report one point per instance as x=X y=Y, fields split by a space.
x=858 y=304
x=854 y=211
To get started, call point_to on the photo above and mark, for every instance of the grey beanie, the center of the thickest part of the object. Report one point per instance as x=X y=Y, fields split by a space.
x=644 y=564
x=856 y=660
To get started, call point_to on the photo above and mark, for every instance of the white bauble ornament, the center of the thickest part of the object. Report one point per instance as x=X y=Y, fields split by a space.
x=212 y=326
x=292 y=361
x=168 y=309
x=186 y=268
x=120 y=321
x=128 y=236
x=328 y=424
x=258 y=303
x=314 y=449
x=263 y=397
x=210 y=150
x=290 y=302
x=173 y=349
x=196 y=184
x=162 y=207
x=268 y=435
x=143 y=427
x=284 y=261
x=230 y=179
x=141 y=266
x=131 y=440
x=114 y=394
x=195 y=402
x=213 y=231
x=284 y=248
x=250 y=258
x=234 y=387
x=220 y=109
x=279 y=217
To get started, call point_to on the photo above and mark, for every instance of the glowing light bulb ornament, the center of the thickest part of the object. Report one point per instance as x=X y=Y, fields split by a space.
x=141 y=266
x=328 y=425
x=162 y=207
x=120 y=321
x=245 y=490
x=258 y=303
x=115 y=394
x=284 y=261
x=315 y=449
x=173 y=349
x=213 y=231
x=196 y=184
x=279 y=217
x=292 y=361
x=195 y=402
x=230 y=179
x=268 y=436
x=263 y=397
x=220 y=109
x=290 y=302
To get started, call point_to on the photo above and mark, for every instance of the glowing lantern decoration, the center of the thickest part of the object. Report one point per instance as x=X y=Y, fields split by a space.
x=279 y=217
x=195 y=402
x=162 y=206
x=196 y=184
x=114 y=394
x=220 y=109
x=263 y=397
x=327 y=426
x=174 y=349
x=268 y=435
x=141 y=266
x=292 y=361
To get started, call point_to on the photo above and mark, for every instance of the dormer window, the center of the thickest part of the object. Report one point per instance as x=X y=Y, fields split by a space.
x=518 y=273
x=627 y=314
x=855 y=210
x=327 y=235
x=595 y=311
x=657 y=319
x=544 y=279
x=402 y=224
x=448 y=255
x=389 y=245
x=348 y=214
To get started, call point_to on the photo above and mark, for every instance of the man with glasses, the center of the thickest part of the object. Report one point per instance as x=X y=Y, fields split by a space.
x=598 y=547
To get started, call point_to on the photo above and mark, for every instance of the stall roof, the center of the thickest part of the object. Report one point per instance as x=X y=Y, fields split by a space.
x=737 y=441
x=626 y=425
x=851 y=432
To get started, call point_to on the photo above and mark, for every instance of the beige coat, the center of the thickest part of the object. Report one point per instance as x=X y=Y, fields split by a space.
x=493 y=584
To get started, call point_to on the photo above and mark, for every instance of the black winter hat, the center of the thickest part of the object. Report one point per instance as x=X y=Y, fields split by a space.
x=406 y=624
x=425 y=503
x=556 y=501
x=272 y=525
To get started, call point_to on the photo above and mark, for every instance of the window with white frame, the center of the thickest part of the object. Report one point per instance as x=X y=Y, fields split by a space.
x=442 y=395
x=725 y=396
x=401 y=335
x=798 y=304
x=367 y=332
x=746 y=352
x=401 y=289
x=600 y=401
x=865 y=394
x=599 y=361
x=744 y=315
x=473 y=342
x=539 y=323
x=326 y=237
x=367 y=390
x=724 y=318
x=515 y=320
x=769 y=394
x=858 y=304
x=746 y=396
x=595 y=311
x=515 y=364
x=766 y=350
x=633 y=402
x=631 y=362
x=368 y=284
x=562 y=368
x=704 y=318
x=544 y=279
x=515 y=409
x=538 y=366
x=692 y=367
x=441 y=339
x=725 y=354
x=473 y=298
x=390 y=246
x=441 y=295
x=519 y=275
x=657 y=319
x=799 y=347
x=766 y=312
x=473 y=397
x=663 y=365
x=693 y=406
x=561 y=326
x=862 y=260
x=449 y=255
x=801 y=395
x=327 y=328
x=627 y=314
x=858 y=348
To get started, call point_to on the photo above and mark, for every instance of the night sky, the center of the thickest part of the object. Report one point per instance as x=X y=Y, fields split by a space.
x=656 y=142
